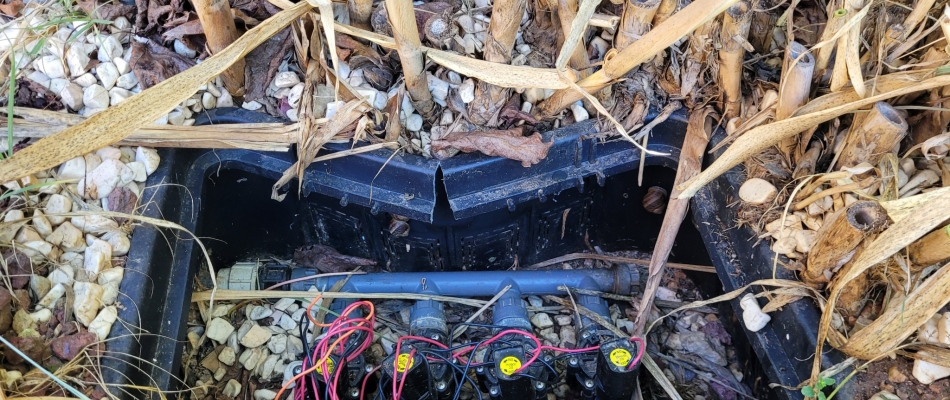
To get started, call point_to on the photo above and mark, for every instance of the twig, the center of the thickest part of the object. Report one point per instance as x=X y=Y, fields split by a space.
x=300 y=294
x=56 y=379
x=616 y=259
x=631 y=299
x=460 y=330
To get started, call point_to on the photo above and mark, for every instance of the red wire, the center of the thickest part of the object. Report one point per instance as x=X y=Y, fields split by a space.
x=366 y=379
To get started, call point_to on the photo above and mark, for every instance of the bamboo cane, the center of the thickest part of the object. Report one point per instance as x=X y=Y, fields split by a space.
x=762 y=27
x=665 y=10
x=690 y=163
x=567 y=12
x=931 y=249
x=848 y=58
x=220 y=32
x=879 y=133
x=402 y=18
x=360 y=13
x=635 y=21
x=793 y=93
x=836 y=19
x=840 y=235
x=653 y=42
x=502 y=30
x=735 y=30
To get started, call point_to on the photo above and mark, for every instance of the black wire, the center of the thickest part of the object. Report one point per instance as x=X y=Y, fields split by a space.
x=468 y=365
x=462 y=373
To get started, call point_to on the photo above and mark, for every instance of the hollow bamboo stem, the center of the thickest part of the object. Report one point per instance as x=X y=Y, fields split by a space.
x=605 y=21
x=795 y=87
x=360 y=13
x=566 y=12
x=931 y=249
x=840 y=236
x=835 y=21
x=635 y=21
x=502 y=30
x=220 y=32
x=735 y=30
x=665 y=10
x=879 y=133
x=680 y=24
x=402 y=18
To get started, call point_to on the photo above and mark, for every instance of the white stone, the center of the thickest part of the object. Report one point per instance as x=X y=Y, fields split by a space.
x=39 y=250
x=208 y=100
x=251 y=357
x=65 y=275
x=535 y=301
x=414 y=122
x=292 y=115
x=119 y=241
x=40 y=286
x=138 y=171
x=57 y=204
x=109 y=48
x=927 y=373
x=267 y=367
x=72 y=95
x=258 y=313
x=41 y=316
x=85 y=80
x=94 y=224
x=219 y=330
x=98 y=256
x=757 y=191
x=293 y=97
x=542 y=320
x=110 y=279
x=227 y=356
x=51 y=66
x=264 y=394
x=121 y=65
x=251 y=105
x=283 y=304
x=126 y=81
x=294 y=345
x=176 y=116
x=752 y=314
x=524 y=49
x=118 y=95
x=277 y=344
x=27 y=234
x=103 y=322
x=334 y=106
x=255 y=337
x=108 y=74
x=438 y=88
x=57 y=291
x=104 y=179
x=580 y=113
x=95 y=96
x=87 y=302
x=232 y=389
x=184 y=50
x=286 y=79
x=67 y=236
x=287 y=323
x=467 y=91
x=225 y=100
x=148 y=157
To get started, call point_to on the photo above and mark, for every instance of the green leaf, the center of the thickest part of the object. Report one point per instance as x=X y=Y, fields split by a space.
x=824 y=381
x=808 y=391
x=821 y=396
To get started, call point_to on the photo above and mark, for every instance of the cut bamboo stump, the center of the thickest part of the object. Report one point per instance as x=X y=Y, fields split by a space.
x=840 y=235
x=735 y=31
x=636 y=20
x=879 y=133
x=795 y=87
x=931 y=249
x=502 y=30
x=402 y=18
x=220 y=32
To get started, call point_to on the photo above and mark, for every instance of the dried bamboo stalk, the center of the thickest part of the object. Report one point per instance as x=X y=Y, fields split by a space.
x=809 y=115
x=837 y=18
x=931 y=249
x=402 y=18
x=116 y=123
x=735 y=31
x=696 y=53
x=636 y=20
x=220 y=32
x=568 y=16
x=901 y=319
x=690 y=163
x=502 y=31
x=798 y=66
x=605 y=21
x=680 y=24
x=665 y=10
x=838 y=237
x=762 y=27
x=360 y=13
x=854 y=294
x=847 y=66
x=879 y=133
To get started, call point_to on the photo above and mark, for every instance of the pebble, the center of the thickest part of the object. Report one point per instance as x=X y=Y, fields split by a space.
x=227 y=356
x=277 y=344
x=267 y=367
x=542 y=321
x=549 y=335
x=286 y=79
x=148 y=157
x=118 y=95
x=95 y=96
x=287 y=323
x=109 y=48
x=58 y=204
x=259 y=312
x=127 y=81
x=255 y=337
x=110 y=280
x=40 y=285
x=108 y=74
x=535 y=301
x=414 y=123
x=184 y=50
x=225 y=100
x=251 y=357
x=77 y=60
x=94 y=224
x=102 y=325
x=467 y=91
x=563 y=319
x=294 y=345
x=87 y=301
x=138 y=171
x=232 y=388
x=580 y=113
x=51 y=66
x=251 y=105
x=57 y=291
x=208 y=100
x=568 y=337
x=283 y=304
x=121 y=65
x=219 y=330
x=264 y=394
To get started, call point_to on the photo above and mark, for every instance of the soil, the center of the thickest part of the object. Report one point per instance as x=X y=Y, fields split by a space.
x=876 y=379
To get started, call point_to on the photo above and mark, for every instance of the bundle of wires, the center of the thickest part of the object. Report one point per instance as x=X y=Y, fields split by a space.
x=337 y=342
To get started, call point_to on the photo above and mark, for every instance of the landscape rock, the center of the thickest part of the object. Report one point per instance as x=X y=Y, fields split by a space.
x=227 y=356
x=40 y=286
x=51 y=66
x=542 y=321
x=95 y=96
x=87 y=302
x=219 y=330
x=54 y=294
x=77 y=60
x=286 y=79
x=69 y=237
x=102 y=325
x=148 y=157
x=71 y=95
x=108 y=74
x=264 y=394
x=232 y=389
x=68 y=347
x=283 y=304
x=110 y=279
x=277 y=344
x=255 y=337
x=98 y=256
x=258 y=313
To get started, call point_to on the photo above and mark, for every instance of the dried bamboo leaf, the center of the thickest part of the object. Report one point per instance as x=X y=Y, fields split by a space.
x=764 y=136
x=900 y=209
x=578 y=27
x=117 y=123
x=502 y=75
x=509 y=143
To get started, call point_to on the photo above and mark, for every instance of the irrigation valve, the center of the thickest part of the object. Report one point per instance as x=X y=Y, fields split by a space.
x=752 y=314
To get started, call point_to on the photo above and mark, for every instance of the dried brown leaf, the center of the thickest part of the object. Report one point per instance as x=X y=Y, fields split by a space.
x=327 y=260
x=12 y=8
x=192 y=27
x=152 y=63
x=504 y=143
